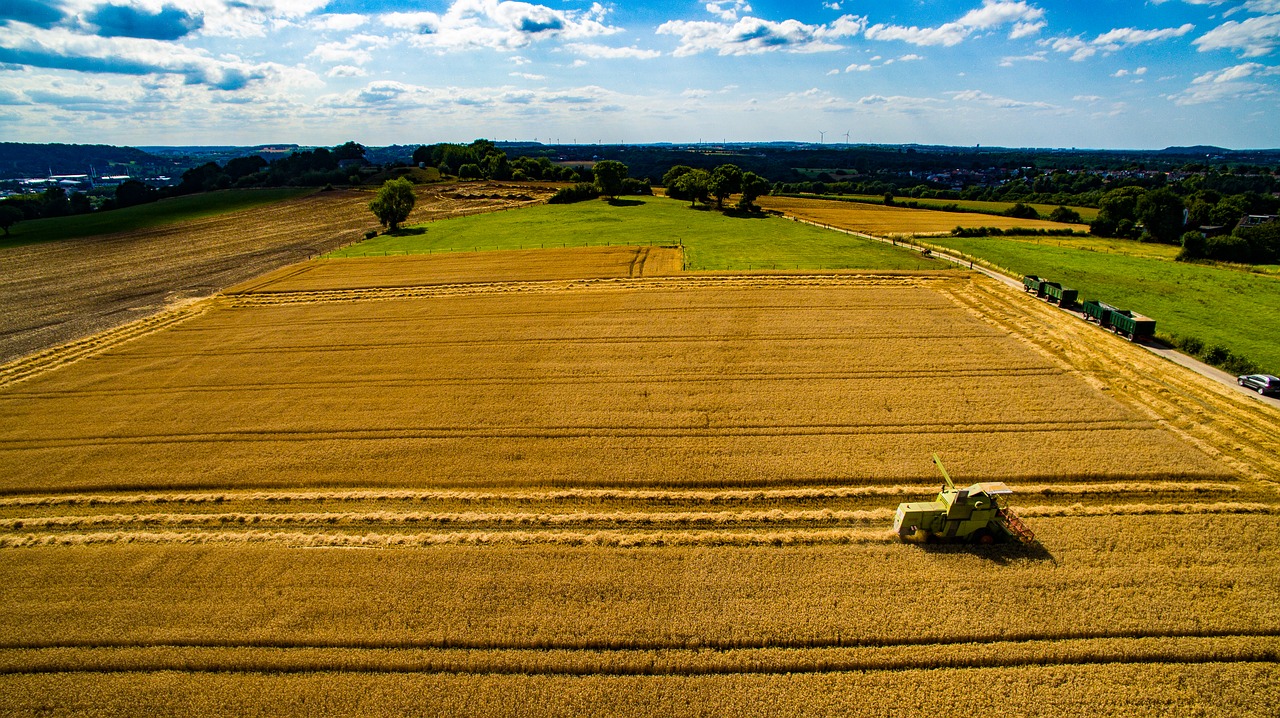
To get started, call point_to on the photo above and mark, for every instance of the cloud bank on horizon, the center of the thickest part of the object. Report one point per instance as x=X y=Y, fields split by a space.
x=1026 y=73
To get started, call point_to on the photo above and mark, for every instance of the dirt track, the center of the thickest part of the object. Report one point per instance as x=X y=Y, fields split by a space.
x=56 y=292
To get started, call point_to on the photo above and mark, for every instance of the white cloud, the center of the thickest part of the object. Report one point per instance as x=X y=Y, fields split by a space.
x=1127 y=36
x=338 y=22
x=910 y=58
x=1232 y=83
x=602 y=52
x=857 y=68
x=498 y=24
x=1011 y=60
x=346 y=71
x=1120 y=73
x=1087 y=98
x=1026 y=29
x=751 y=35
x=1262 y=6
x=355 y=50
x=528 y=76
x=831 y=5
x=982 y=98
x=60 y=48
x=1254 y=37
x=728 y=11
x=993 y=13
x=1112 y=41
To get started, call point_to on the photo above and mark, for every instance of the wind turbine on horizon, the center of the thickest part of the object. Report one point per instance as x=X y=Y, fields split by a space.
x=846 y=136
x=822 y=137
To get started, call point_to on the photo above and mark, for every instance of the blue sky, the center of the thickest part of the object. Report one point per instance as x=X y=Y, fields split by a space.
x=1048 y=73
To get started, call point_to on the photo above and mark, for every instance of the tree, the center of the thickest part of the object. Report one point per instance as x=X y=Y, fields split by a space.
x=349 y=151
x=695 y=185
x=1161 y=212
x=9 y=216
x=1065 y=214
x=54 y=203
x=673 y=176
x=393 y=203
x=753 y=185
x=131 y=192
x=725 y=180
x=608 y=177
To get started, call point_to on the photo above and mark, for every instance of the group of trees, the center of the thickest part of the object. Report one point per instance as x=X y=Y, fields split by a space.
x=699 y=185
x=609 y=178
x=482 y=159
x=1162 y=215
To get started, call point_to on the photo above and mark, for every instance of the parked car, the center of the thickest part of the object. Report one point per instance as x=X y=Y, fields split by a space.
x=1261 y=383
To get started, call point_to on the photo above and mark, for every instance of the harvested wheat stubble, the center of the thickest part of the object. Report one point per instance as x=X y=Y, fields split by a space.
x=636 y=384
x=1225 y=689
x=880 y=220
x=1102 y=577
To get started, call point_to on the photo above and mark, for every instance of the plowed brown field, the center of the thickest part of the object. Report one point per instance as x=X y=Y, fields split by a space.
x=55 y=292
x=884 y=221
x=579 y=487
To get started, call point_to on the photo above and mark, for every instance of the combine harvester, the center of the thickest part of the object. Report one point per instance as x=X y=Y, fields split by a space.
x=972 y=515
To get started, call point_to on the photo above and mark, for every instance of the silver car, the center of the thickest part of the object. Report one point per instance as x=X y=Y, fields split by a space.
x=1261 y=383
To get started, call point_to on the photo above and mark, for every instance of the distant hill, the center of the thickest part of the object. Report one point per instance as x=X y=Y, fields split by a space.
x=39 y=160
x=1196 y=150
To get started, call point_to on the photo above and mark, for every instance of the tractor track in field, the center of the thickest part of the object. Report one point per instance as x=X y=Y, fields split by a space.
x=639 y=657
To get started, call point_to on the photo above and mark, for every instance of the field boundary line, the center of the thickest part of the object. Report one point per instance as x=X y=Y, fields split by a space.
x=71 y=352
x=1226 y=647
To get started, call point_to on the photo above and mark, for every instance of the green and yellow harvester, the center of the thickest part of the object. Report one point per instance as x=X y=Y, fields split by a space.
x=972 y=515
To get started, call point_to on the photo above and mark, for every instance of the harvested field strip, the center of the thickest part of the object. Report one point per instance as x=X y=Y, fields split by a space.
x=569 y=432
x=685 y=519
x=1239 y=431
x=1237 y=648
x=606 y=539
x=713 y=497
x=692 y=377
x=103 y=342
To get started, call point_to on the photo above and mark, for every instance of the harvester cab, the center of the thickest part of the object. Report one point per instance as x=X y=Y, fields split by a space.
x=972 y=514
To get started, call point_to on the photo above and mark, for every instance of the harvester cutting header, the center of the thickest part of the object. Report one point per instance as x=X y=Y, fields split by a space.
x=972 y=515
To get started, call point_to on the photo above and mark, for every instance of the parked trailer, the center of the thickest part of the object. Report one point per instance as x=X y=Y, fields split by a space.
x=1055 y=293
x=1132 y=325
x=1032 y=283
x=1099 y=312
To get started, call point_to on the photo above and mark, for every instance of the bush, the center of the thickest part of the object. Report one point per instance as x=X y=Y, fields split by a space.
x=1022 y=211
x=1193 y=246
x=633 y=186
x=577 y=193
x=1065 y=214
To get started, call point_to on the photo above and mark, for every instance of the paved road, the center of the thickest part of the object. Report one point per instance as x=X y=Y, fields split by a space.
x=1176 y=357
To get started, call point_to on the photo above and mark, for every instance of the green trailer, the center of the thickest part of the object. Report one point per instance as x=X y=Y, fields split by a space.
x=1032 y=283
x=1055 y=293
x=1134 y=326
x=1099 y=312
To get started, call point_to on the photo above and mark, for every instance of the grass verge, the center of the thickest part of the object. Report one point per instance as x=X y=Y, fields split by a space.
x=712 y=241
x=1226 y=309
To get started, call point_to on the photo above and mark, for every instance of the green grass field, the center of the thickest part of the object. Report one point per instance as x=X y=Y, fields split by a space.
x=1233 y=308
x=1088 y=214
x=156 y=214
x=712 y=241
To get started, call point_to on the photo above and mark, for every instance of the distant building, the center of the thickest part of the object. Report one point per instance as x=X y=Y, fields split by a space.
x=1253 y=220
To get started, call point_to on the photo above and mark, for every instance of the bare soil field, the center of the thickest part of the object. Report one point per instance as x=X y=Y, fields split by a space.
x=488 y=491
x=56 y=292
x=884 y=221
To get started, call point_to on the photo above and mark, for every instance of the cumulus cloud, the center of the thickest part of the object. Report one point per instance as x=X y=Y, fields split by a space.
x=728 y=11
x=340 y=22
x=750 y=35
x=1011 y=60
x=356 y=49
x=346 y=71
x=31 y=12
x=982 y=98
x=166 y=23
x=1232 y=83
x=60 y=48
x=395 y=97
x=993 y=13
x=1113 y=40
x=1254 y=37
x=498 y=25
x=602 y=52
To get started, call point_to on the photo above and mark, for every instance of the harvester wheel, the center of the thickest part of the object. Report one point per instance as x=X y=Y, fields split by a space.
x=984 y=537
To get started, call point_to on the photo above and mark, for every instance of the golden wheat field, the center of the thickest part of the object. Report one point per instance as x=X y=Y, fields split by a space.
x=579 y=483
x=883 y=221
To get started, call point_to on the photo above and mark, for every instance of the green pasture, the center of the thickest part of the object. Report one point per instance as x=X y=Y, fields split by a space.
x=1088 y=214
x=167 y=211
x=712 y=241
x=1233 y=308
